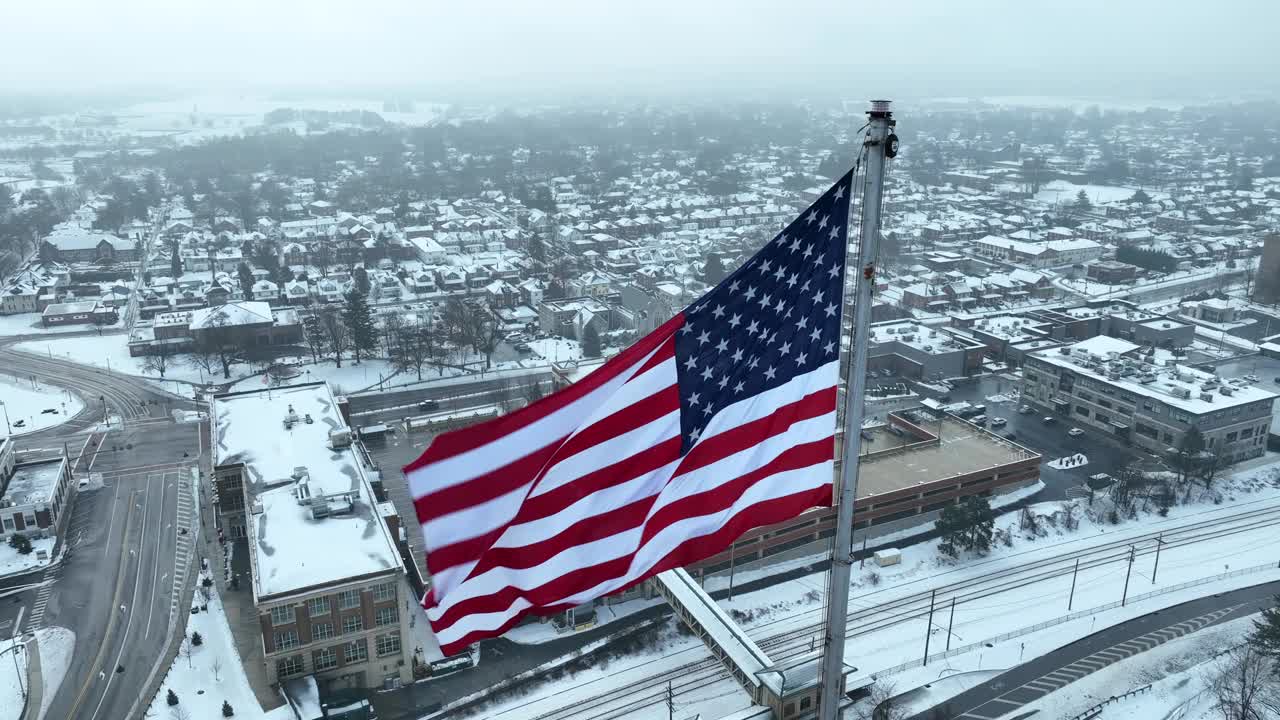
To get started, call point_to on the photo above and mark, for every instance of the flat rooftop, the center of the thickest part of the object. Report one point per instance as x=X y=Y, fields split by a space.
x=289 y=549
x=33 y=483
x=962 y=448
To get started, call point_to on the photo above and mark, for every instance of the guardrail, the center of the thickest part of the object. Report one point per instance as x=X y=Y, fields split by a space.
x=1074 y=616
x=1096 y=710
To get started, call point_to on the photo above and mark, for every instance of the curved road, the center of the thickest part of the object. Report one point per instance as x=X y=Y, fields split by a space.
x=130 y=540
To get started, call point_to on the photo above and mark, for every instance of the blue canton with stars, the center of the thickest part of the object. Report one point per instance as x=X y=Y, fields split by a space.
x=775 y=317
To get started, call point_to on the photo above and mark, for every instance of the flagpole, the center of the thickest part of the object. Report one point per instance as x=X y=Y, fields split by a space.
x=877 y=146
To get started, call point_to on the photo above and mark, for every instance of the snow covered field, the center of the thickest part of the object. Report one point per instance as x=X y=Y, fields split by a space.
x=1020 y=620
x=1063 y=191
x=112 y=353
x=29 y=324
x=557 y=349
x=25 y=403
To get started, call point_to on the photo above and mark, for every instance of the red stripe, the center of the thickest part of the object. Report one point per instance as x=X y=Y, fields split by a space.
x=714 y=448
x=723 y=495
x=462 y=552
x=595 y=527
x=689 y=552
x=528 y=468
x=713 y=500
x=474 y=436
x=484 y=488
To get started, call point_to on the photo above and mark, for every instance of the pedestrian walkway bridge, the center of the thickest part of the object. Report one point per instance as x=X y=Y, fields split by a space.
x=789 y=690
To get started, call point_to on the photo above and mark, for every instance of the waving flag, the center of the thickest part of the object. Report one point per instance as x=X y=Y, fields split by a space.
x=721 y=420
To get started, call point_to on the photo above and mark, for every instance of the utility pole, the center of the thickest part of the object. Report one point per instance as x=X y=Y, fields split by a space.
x=879 y=145
x=1156 y=567
x=950 y=622
x=928 y=628
x=1072 y=597
x=671 y=703
x=1125 y=596
x=735 y=542
x=863 y=560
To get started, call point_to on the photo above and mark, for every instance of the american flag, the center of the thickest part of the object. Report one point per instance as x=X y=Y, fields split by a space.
x=721 y=420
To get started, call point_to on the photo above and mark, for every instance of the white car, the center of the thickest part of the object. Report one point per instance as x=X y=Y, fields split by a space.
x=1075 y=432
x=998 y=422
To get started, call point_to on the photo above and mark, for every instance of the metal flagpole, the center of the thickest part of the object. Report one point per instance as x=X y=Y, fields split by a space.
x=879 y=145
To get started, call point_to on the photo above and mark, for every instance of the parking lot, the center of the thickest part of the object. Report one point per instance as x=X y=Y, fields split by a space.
x=1049 y=439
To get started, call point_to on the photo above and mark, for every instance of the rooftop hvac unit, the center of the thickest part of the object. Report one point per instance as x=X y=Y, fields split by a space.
x=928 y=348
x=909 y=338
x=290 y=419
x=1207 y=397
x=1226 y=390
x=1064 y=351
x=1146 y=378
x=1182 y=392
x=340 y=438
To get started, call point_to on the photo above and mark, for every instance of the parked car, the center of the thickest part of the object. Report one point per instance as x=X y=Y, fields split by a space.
x=523 y=348
x=1011 y=435
x=978 y=419
x=1075 y=432
x=49 y=411
x=1251 y=378
x=998 y=422
x=1049 y=419
x=1026 y=410
x=866 y=436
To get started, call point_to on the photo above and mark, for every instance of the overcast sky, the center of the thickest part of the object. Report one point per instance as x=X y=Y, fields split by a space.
x=1115 y=48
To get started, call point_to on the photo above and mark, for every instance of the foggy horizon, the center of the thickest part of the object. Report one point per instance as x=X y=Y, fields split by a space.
x=568 y=50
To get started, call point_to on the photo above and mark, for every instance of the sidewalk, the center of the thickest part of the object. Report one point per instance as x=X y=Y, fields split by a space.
x=35 y=681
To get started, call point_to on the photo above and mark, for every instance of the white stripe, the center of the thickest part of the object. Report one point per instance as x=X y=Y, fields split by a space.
x=473 y=463
x=764 y=404
x=700 y=480
x=703 y=479
x=779 y=485
x=564 y=470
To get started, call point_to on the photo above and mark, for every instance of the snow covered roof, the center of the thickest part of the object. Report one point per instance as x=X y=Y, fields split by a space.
x=237 y=313
x=290 y=549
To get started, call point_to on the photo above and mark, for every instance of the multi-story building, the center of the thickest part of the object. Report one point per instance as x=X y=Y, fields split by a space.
x=1051 y=253
x=71 y=244
x=1147 y=398
x=328 y=578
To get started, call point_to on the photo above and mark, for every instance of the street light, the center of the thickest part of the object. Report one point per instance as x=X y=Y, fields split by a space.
x=8 y=430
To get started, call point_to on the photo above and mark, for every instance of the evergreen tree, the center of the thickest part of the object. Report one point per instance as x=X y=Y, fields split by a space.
x=20 y=543
x=967 y=525
x=171 y=698
x=359 y=321
x=226 y=709
x=175 y=261
x=246 y=280
x=591 y=342
x=1265 y=637
x=196 y=639
x=1140 y=196
x=537 y=250
x=361 y=277
x=1082 y=201
x=713 y=270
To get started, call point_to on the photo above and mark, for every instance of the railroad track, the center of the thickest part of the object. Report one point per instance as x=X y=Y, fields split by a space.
x=650 y=692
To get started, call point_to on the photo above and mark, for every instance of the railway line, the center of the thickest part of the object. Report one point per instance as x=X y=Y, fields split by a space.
x=895 y=609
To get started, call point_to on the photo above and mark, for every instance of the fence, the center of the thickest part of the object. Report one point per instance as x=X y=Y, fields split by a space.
x=1074 y=616
x=1096 y=710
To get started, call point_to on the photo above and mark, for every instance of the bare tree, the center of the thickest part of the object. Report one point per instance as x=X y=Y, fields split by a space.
x=159 y=358
x=322 y=256
x=186 y=650
x=1212 y=463
x=472 y=325
x=216 y=667
x=881 y=704
x=177 y=712
x=221 y=341
x=335 y=332
x=412 y=345
x=1242 y=684
x=313 y=333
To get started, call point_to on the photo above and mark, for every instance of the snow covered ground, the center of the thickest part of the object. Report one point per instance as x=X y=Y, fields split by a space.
x=11 y=561
x=1019 y=620
x=1061 y=191
x=1175 y=670
x=25 y=403
x=56 y=646
x=13 y=680
x=212 y=674
x=557 y=349
x=111 y=352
